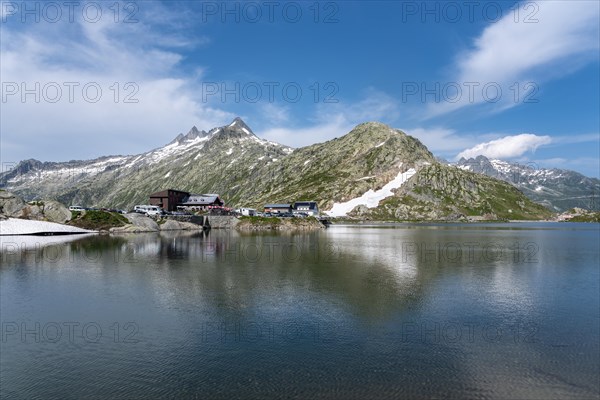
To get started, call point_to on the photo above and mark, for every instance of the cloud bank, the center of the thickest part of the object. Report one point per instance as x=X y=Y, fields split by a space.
x=556 y=36
x=507 y=147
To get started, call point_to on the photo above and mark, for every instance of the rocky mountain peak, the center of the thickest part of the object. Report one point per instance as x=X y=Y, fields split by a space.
x=194 y=133
x=22 y=168
x=237 y=129
x=191 y=135
x=238 y=124
x=477 y=164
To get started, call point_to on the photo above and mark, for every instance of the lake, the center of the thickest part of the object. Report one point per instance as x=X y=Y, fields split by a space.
x=483 y=311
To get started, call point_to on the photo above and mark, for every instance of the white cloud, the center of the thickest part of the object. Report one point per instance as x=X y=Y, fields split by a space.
x=564 y=38
x=506 y=147
x=102 y=53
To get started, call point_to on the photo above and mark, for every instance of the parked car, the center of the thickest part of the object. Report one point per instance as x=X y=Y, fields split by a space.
x=156 y=212
x=150 y=211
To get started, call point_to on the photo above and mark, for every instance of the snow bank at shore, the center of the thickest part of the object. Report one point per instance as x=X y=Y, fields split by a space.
x=17 y=243
x=15 y=226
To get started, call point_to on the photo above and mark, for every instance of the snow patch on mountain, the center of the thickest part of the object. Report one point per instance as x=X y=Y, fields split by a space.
x=371 y=198
x=176 y=148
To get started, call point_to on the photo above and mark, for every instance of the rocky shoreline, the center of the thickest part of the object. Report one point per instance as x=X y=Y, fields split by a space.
x=51 y=217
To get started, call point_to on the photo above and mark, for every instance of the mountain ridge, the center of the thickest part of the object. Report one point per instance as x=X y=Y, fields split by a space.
x=249 y=171
x=556 y=188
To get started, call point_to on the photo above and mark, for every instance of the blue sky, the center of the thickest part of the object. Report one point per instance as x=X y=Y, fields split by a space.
x=512 y=80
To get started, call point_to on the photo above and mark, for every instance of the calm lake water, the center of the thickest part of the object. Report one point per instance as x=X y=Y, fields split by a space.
x=352 y=312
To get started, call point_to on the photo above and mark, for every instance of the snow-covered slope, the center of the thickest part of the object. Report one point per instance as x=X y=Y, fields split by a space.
x=371 y=198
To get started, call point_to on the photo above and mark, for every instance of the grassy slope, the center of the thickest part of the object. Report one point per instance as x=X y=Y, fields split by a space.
x=97 y=220
x=442 y=191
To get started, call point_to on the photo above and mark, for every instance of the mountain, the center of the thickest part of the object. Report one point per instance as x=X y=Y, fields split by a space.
x=439 y=191
x=198 y=161
x=374 y=172
x=558 y=189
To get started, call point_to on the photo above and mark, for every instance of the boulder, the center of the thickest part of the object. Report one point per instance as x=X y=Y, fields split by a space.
x=172 y=225
x=56 y=212
x=31 y=211
x=142 y=223
x=47 y=210
x=125 y=229
x=10 y=204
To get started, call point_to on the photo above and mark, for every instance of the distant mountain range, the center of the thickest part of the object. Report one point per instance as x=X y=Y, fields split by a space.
x=373 y=172
x=557 y=189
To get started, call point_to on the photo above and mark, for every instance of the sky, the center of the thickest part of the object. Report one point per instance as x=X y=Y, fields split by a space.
x=518 y=81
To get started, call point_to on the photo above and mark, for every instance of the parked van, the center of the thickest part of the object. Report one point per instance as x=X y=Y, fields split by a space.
x=248 y=212
x=76 y=208
x=148 y=210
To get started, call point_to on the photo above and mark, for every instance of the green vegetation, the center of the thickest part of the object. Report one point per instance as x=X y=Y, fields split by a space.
x=593 y=217
x=97 y=220
x=581 y=215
